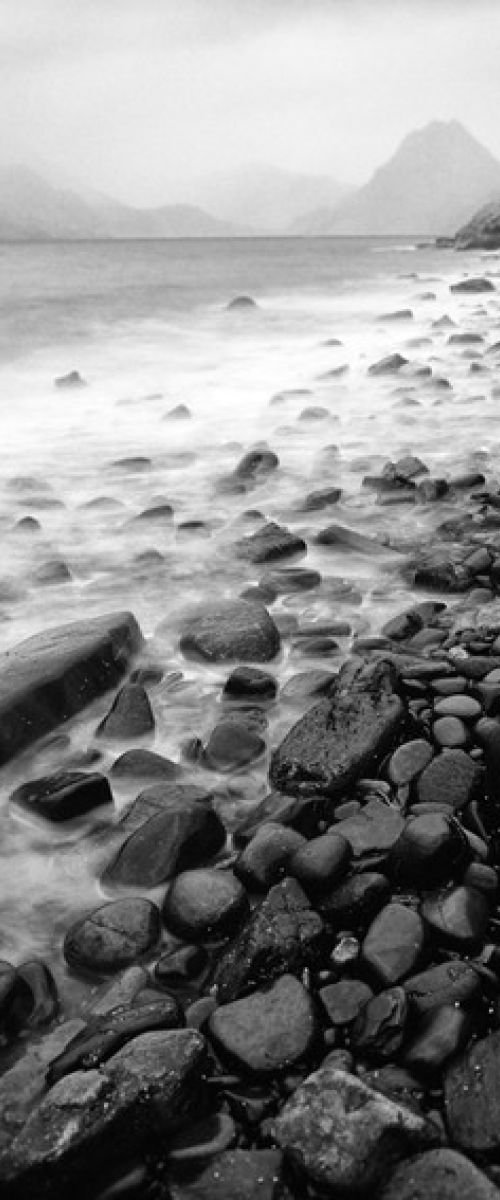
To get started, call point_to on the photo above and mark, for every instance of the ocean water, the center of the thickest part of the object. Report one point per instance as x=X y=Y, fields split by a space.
x=147 y=326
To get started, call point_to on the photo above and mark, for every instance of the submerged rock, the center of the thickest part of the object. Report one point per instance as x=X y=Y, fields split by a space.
x=63 y=796
x=231 y=629
x=72 y=380
x=388 y=365
x=270 y=542
x=472 y=285
x=130 y=715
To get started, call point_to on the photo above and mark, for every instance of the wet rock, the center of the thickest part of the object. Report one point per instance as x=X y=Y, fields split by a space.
x=180 y=412
x=375 y=829
x=123 y=990
x=145 y=764
x=314 y=412
x=204 y=904
x=409 y=760
x=437 y=568
x=454 y=982
x=356 y=901
x=452 y=778
x=256 y=465
x=438 y=1175
x=179 y=966
x=388 y=365
x=363 y=714
x=53 y=675
x=266 y=856
x=344 y=1135
x=248 y=1174
x=472 y=1098
x=268 y=1031
x=130 y=715
x=322 y=498
x=449 y=733
x=291 y=579
x=232 y=745
x=133 y=462
x=270 y=542
x=23 y=1084
x=431 y=848
x=441 y=1034
x=456 y=917
x=231 y=629
x=63 y=796
x=348 y=539
x=282 y=935
x=380 y=1026
x=157 y=513
x=249 y=683
x=38 y=1004
x=472 y=285
x=106 y=1034
x=343 y=1001
x=393 y=944
x=307 y=683
x=54 y=571
x=241 y=303
x=113 y=936
x=321 y=863
x=72 y=380
x=179 y=834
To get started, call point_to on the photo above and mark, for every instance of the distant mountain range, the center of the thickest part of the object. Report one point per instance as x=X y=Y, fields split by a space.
x=437 y=179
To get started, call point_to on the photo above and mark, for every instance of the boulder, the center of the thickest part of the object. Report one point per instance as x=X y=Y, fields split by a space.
x=439 y=1175
x=269 y=543
x=342 y=737
x=53 y=675
x=130 y=715
x=112 y=936
x=204 y=904
x=231 y=629
x=173 y=835
x=63 y=796
x=268 y=1031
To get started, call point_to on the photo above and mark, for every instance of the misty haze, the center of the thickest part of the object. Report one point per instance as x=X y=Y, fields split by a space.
x=250 y=600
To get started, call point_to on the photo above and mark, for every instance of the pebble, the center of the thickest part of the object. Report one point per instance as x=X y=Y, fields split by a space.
x=393 y=944
x=343 y=1001
x=204 y=904
x=409 y=760
x=450 y=732
x=321 y=863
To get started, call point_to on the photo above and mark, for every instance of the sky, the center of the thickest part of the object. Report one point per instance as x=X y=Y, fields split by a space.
x=138 y=98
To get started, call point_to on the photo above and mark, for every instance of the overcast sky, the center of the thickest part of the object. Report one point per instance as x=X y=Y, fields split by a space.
x=136 y=97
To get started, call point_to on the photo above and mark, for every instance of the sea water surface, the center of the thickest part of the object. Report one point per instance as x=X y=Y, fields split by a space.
x=148 y=327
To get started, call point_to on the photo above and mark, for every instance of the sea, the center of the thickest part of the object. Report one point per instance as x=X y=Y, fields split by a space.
x=149 y=327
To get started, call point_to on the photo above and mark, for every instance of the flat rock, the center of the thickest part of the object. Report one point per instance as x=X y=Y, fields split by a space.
x=50 y=677
x=112 y=936
x=173 y=835
x=282 y=935
x=269 y=543
x=439 y=1175
x=233 y=629
x=343 y=736
x=268 y=1031
x=451 y=778
x=63 y=796
x=393 y=944
x=204 y=904
x=344 y=1135
x=376 y=829
x=472 y=1098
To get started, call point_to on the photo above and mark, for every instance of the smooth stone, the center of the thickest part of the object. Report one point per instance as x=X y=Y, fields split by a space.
x=247 y=1174
x=375 y=829
x=388 y=365
x=409 y=760
x=249 y=683
x=282 y=935
x=307 y=683
x=323 y=498
x=429 y=851
x=112 y=936
x=232 y=745
x=451 y=778
x=50 y=677
x=450 y=733
x=130 y=714
x=291 y=579
x=456 y=917
x=343 y=1001
x=256 y=465
x=344 y=1135
x=145 y=764
x=472 y=1098
x=270 y=542
x=355 y=902
x=472 y=285
x=231 y=629
x=440 y=1035
x=106 y=1034
x=158 y=513
x=348 y=539
x=454 y=982
x=393 y=944
x=180 y=834
x=204 y=904
x=482 y=877
x=52 y=572
x=379 y=1029
x=180 y=965
x=365 y=712
x=241 y=303
x=268 y=1031
x=122 y=990
x=63 y=796
x=180 y=412
x=267 y=854
x=441 y=1174
x=321 y=863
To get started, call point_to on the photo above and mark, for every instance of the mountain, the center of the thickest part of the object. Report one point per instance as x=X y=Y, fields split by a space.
x=265 y=199
x=31 y=209
x=435 y=180
x=482 y=232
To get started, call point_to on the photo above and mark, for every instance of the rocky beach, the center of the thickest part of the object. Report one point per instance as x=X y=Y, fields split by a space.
x=250 y=722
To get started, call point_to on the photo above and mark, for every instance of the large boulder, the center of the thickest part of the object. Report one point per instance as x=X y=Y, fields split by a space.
x=343 y=736
x=53 y=675
x=231 y=629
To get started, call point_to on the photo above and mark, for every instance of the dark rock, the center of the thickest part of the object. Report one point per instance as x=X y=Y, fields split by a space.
x=52 y=572
x=232 y=745
x=438 y=1175
x=409 y=760
x=342 y=737
x=113 y=936
x=441 y=1034
x=204 y=904
x=473 y=285
x=348 y=539
x=291 y=579
x=266 y=856
x=393 y=944
x=321 y=863
x=157 y=513
x=231 y=629
x=388 y=365
x=472 y=1098
x=452 y=778
x=22 y=1085
x=380 y=1027
x=130 y=715
x=180 y=412
x=356 y=901
x=344 y=1135
x=307 y=683
x=72 y=380
x=268 y=1031
x=241 y=302
x=145 y=764
x=63 y=796
x=375 y=829
x=449 y=733
x=36 y=1003
x=487 y=733
x=343 y=1001
x=106 y=1034
x=270 y=542
x=454 y=982
x=179 y=834
x=431 y=848
x=247 y=1174
x=456 y=917
x=248 y=683
x=134 y=462
x=323 y=498
x=256 y=465
x=283 y=934
x=53 y=675
x=179 y=966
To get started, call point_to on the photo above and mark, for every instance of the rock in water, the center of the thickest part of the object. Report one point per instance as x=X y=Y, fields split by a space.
x=113 y=936
x=229 y=630
x=174 y=836
x=53 y=675
x=472 y=286
x=270 y=542
x=342 y=737
x=71 y=380
x=130 y=715
x=63 y=796
x=267 y=1031
x=344 y=1135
